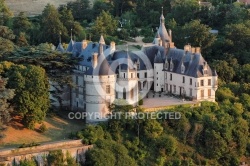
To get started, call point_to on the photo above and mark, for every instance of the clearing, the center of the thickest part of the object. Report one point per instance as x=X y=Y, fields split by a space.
x=58 y=129
x=34 y=7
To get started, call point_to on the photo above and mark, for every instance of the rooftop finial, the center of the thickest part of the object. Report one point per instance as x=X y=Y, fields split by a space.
x=71 y=33
x=162 y=10
x=60 y=33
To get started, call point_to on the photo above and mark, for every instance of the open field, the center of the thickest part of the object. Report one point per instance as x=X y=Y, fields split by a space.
x=58 y=129
x=33 y=7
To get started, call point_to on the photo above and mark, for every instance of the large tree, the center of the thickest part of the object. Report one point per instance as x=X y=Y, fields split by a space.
x=31 y=86
x=51 y=26
x=104 y=24
x=21 y=24
x=5 y=13
x=5 y=95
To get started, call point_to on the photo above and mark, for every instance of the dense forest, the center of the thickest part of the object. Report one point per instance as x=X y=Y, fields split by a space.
x=212 y=134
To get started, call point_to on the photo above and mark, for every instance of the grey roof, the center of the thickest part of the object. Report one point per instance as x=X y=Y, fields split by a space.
x=102 y=67
x=60 y=48
x=194 y=63
x=70 y=46
x=162 y=30
x=158 y=58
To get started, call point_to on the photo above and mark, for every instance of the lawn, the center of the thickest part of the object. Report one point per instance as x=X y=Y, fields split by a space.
x=33 y=7
x=58 y=129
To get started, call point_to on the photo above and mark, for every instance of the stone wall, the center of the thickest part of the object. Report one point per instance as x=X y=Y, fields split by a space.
x=77 y=150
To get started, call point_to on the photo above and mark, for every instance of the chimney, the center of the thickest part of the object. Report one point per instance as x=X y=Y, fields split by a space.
x=160 y=42
x=197 y=50
x=94 y=59
x=112 y=45
x=84 y=44
x=193 y=50
x=187 y=48
x=170 y=34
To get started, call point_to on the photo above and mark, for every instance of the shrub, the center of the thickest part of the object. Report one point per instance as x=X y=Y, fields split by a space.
x=43 y=128
x=148 y=39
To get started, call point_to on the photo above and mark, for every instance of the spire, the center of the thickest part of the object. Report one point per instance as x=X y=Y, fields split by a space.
x=60 y=47
x=129 y=61
x=162 y=18
x=102 y=40
x=101 y=44
x=162 y=29
x=60 y=37
x=71 y=33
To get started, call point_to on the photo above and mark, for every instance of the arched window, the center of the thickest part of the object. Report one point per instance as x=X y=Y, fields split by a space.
x=124 y=93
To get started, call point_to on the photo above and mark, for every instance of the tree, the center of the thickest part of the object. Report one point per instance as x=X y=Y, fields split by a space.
x=80 y=9
x=104 y=24
x=152 y=128
x=198 y=34
x=31 y=86
x=225 y=71
x=21 y=40
x=28 y=163
x=67 y=19
x=51 y=26
x=55 y=158
x=5 y=96
x=21 y=24
x=5 y=13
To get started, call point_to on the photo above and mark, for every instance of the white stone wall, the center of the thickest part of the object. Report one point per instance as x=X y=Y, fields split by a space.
x=177 y=81
x=129 y=81
x=97 y=100
x=158 y=77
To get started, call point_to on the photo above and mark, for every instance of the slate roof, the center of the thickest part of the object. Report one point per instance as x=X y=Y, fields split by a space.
x=162 y=31
x=70 y=46
x=60 y=48
x=194 y=63
x=158 y=58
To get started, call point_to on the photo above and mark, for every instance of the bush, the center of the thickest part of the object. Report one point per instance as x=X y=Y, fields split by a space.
x=141 y=102
x=148 y=39
x=43 y=128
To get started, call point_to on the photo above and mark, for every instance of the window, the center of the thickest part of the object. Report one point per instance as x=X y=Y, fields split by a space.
x=157 y=78
x=124 y=75
x=166 y=87
x=124 y=93
x=77 y=92
x=190 y=92
x=202 y=93
x=157 y=84
x=166 y=75
x=183 y=79
x=202 y=82
x=171 y=77
x=138 y=75
x=145 y=75
x=166 y=65
x=174 y=89
x=108 y=89
x=205 y=71
x=209 y=82
x=190 y=81
x=209 y=92
x=157 y=73
x=132 y=93
x=132 y=75
x=138 y=65
x=76 y=80
x=171 y=66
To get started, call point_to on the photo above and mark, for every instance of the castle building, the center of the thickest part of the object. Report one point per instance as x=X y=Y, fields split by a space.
x=105 y=73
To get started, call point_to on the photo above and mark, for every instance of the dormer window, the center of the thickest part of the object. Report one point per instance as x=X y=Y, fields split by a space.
x=182 y=68
x=166 y=65
x=171 y=65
